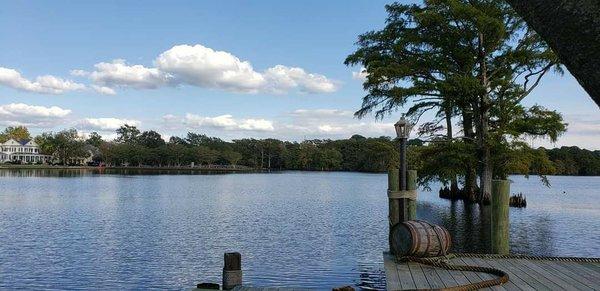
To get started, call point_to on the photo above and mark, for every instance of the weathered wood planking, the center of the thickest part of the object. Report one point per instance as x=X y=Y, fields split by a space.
x=524 y=274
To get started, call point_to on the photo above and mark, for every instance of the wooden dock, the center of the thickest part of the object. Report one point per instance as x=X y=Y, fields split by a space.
x=524 y=274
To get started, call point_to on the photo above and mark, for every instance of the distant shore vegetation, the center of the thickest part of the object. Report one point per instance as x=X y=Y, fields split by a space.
x=135 y=148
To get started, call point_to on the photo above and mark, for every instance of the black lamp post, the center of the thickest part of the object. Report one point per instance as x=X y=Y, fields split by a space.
x=403 y=128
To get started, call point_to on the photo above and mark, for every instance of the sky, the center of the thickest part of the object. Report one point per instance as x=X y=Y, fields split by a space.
x=230 y=69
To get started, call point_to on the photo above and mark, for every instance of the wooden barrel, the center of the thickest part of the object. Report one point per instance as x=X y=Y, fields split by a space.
x=419 y=238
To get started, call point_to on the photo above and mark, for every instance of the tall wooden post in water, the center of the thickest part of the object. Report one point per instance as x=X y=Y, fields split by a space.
x=402 y=202
x=499 y=217
x=411 y=187
x=394 y=204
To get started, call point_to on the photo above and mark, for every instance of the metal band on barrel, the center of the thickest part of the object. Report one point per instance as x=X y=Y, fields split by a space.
x=403 y=194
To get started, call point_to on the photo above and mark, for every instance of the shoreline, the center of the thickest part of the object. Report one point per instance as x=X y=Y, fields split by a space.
x=239 y=169
x=49 y=167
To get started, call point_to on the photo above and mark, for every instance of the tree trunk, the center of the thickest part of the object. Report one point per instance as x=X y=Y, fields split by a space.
x=448 y=113
x=483 y=110
x=572 y=29
x=471 y=173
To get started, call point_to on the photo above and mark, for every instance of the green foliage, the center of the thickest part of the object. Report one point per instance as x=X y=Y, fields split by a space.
x=94 y=139
x=127 y=134
x=150 y=139
x=63 y=145
x=474 y=61
x=436 y=160
x=17 y=133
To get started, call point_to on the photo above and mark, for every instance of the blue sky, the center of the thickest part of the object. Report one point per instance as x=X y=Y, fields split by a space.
x=226 y=68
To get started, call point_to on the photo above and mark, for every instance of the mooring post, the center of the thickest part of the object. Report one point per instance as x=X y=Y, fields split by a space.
x=232 y=270
x=394 y=204
x=411 y=185
x=499 y=217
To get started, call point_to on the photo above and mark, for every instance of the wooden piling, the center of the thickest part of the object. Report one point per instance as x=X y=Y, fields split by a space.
x=499 y=217
x=411 y=185
x=232 y=270
x=394 y=204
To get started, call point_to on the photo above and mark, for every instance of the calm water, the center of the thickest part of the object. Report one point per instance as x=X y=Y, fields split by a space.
x=79 y=229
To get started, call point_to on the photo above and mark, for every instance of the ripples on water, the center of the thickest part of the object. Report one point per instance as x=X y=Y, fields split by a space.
x=78 y=230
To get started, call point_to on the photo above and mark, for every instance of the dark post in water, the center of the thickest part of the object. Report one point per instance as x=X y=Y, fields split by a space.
x=232 y=270
x=499 y=217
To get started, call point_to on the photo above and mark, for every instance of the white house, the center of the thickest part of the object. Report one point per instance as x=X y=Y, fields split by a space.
x=25 y=151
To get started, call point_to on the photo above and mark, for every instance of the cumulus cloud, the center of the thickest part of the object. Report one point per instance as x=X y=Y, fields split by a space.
x=119 y=74
x=257 y=125
x=14 y=114
x=321 y=113
x=227 y=122
x=79 y=73
x=205 y=67
x=46 y=84
x=281 y=79
x=104 y=90
x=105 y=123
x=332 y=123
x=222 y=122
x=200 y=66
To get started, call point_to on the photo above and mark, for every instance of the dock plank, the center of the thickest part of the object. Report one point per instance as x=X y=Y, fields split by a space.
x=510 y=285
x=513 y=276
x=433 y=279
x=551 y=276
x=406 y=280
x=418 y=276
x=482 y=276
x=566 y=275
x=391 y=274
x=524 y=274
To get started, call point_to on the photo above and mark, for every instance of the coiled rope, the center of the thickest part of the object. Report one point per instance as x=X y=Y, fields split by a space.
x=440 y=263
x=528 y=257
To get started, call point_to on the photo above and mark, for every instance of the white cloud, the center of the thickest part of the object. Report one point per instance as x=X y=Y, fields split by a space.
x=226 y=122
x=31 y=115
x=104 y=90
x=223 y=121
x=119 y=74
x=105 y=124
x=79 y=73
x=331 y=123
x=321 y=113
x=46 y=84
x=360 y=75
x=257 y=125
x=281 y=79
x=204 y=67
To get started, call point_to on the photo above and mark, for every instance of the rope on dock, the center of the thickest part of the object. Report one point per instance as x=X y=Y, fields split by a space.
x=440 y=263
x=528 y=257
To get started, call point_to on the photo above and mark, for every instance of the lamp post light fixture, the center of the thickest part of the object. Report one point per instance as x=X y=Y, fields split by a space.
x=403 y=128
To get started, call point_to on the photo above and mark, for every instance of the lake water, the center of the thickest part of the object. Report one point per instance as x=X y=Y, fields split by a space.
x=77 y=229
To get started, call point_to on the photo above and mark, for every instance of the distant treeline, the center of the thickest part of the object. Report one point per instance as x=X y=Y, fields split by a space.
x=357 y=153
x=575 y=161
x=149 y=149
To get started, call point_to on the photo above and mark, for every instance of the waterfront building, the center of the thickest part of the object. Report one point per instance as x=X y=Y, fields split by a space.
x=24 y=151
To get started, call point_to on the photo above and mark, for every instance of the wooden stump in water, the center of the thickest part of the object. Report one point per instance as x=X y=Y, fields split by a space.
x=232 y=270
x=420 y=239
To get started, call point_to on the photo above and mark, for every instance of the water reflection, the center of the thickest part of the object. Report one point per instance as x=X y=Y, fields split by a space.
x=78 y=172
x=318 y=230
